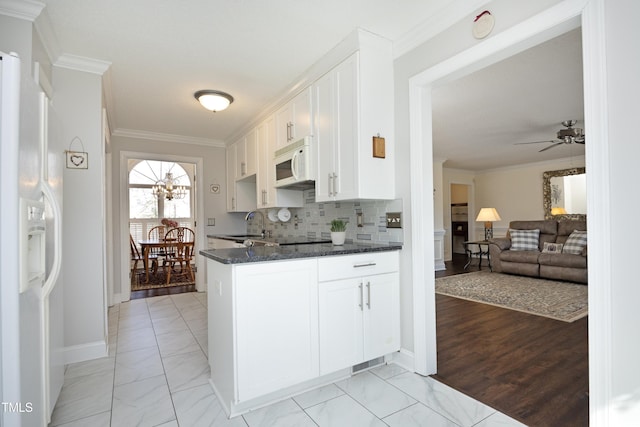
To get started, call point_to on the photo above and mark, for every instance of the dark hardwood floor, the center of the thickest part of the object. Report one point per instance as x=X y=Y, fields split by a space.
x=529 y=367
x=147 y=293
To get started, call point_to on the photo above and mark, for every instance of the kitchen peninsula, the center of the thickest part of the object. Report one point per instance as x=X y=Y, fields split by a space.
x=285 y=319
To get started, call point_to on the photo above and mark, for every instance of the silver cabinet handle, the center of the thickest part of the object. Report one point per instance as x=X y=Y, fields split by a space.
x=369 y=295
x=368 y=264
x=233 y=203
x=292 y=130
x=361 y=297
x=335 y=184
x=330 y=189
x=243 y=168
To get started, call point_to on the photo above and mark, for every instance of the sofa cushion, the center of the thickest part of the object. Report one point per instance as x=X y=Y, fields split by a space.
x=566 y=227
x=524 y=240
x=552 y=248
x=563 y=260
x=548 y=229
x=575 y=243
x=527 y=257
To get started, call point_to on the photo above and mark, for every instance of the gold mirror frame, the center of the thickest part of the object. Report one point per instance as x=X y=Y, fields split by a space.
x=546 y=193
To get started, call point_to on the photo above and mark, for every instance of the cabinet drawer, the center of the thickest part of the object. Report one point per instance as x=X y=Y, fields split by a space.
x=347 y=266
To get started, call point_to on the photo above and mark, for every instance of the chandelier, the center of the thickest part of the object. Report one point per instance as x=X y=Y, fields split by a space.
x=166 y=188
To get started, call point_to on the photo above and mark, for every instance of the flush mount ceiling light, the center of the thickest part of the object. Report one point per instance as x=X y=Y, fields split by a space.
x=213 y=100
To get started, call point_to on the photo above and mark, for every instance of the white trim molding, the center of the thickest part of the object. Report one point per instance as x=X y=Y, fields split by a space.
x=167 y=137
x=81 y=63
x=83 y=352
x=28 y=10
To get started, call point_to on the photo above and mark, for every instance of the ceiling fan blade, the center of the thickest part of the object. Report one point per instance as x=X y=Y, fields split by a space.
x=551 y=146
x=534 y=142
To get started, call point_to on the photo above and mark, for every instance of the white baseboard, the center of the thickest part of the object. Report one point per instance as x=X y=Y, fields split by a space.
x=116 y=299
x=404 y=358
x=83 y=352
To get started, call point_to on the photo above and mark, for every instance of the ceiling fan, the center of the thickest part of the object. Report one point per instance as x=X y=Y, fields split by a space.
x=570 y=135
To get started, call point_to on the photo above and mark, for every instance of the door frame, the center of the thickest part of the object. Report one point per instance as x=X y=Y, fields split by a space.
x=125 y=281
x=553 y=21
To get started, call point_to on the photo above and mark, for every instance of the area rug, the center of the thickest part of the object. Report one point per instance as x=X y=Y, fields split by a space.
x=158 y=280
x=549 y=298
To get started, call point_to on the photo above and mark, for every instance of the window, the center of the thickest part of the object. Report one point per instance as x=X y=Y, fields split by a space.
x=145 y=209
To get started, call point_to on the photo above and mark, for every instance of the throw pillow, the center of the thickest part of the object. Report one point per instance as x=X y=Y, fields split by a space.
x=552 y=248
x=524 y=240
x=576 y=241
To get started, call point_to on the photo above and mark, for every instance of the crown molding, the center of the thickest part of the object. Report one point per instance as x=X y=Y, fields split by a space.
x=166 y=137
x=47 y=35
x=28 y=10
x=435 y=24
x=81 y=63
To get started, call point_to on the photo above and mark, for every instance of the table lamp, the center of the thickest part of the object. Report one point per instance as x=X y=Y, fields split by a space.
x=488 y=215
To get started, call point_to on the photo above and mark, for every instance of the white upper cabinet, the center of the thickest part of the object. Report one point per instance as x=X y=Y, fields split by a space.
x=241 y=194
x=352 y=104
x=294 y=120
x=268 y=196
x=246 y=156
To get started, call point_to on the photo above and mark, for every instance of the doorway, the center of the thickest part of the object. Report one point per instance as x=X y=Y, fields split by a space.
x=160 y=199
x=192 y=166
x=530 y=32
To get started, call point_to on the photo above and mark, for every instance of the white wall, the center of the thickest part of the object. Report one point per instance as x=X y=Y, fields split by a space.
x=453 y=40
x=623 y=69
x=78 y=103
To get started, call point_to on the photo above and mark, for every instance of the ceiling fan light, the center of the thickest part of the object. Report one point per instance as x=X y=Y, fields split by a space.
x=213 y=100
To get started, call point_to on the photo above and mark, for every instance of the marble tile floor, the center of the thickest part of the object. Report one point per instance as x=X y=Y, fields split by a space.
x=157 y=375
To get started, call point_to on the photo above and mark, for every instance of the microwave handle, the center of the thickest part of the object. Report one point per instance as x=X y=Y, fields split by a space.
x=294 y=164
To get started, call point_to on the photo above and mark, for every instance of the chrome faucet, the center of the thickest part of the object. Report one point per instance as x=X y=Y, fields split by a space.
x=250 y=215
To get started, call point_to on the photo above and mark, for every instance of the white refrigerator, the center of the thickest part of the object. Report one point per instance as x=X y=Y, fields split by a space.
x=31 y=278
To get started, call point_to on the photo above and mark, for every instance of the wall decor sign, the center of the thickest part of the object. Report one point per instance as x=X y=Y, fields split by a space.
x=77 y=159
x=214 y=188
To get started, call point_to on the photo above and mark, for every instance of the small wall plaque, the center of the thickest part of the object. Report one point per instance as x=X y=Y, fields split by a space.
x=214 y=188
x=378 y=147
x=77 y=159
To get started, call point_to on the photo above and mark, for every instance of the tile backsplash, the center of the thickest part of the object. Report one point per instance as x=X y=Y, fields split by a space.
x=314 y=219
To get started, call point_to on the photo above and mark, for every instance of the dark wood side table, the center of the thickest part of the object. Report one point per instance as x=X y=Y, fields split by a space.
x=469 y=247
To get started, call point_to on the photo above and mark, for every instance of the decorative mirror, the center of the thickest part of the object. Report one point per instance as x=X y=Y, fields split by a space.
x=565 y=194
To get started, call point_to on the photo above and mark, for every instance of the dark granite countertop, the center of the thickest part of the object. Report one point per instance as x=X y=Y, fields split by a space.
x=280 y=253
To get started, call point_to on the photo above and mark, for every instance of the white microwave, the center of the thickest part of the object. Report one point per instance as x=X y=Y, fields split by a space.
x=294 y=164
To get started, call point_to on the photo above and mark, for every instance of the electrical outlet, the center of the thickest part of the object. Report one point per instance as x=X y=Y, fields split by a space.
x=394 y=219
x=211 y=221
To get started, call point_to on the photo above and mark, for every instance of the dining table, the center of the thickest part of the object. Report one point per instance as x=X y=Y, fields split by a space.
x=148 y=245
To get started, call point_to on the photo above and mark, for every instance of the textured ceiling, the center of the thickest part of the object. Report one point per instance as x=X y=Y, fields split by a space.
x=161 y=52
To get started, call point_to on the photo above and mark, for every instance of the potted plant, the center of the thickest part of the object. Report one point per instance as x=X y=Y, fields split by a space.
x=338 y=231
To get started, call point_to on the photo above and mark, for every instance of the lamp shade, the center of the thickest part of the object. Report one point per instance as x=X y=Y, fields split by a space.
x=488 y=215
x=213 y=100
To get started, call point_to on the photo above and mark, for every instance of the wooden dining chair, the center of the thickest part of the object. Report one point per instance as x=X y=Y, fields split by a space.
x=135 y=257
x=182 y=243
x=157 y=233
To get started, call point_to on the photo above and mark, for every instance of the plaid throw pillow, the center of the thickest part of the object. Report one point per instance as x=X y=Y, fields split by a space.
x=524 y=240
x=552 y=248
x=576 y=241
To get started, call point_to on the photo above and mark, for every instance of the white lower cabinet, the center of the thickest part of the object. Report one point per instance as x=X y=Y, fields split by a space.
x=359 y=316
x=281 y=327
x=276 y=326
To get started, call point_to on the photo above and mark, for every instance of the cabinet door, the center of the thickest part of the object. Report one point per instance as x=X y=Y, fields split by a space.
x=302 y=119
x=381 y=315
x=346 y=123
x=323 y=99
x=341 y=308
x=231 y=178
x=251 y=153
x=276 y=307
x=263 y=181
